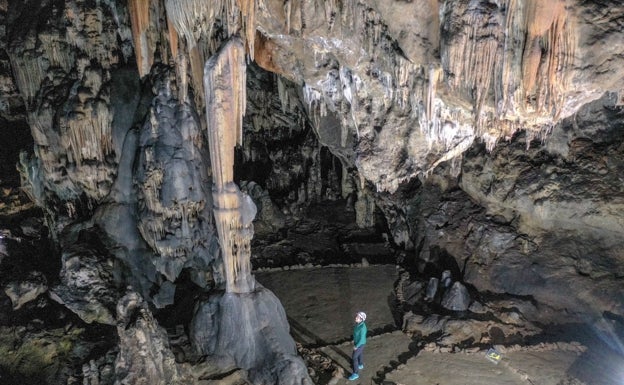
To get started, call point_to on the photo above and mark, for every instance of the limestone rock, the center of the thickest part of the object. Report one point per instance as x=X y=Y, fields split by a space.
x=270 y=218
x=412 y=290
x=450 y=332
x=144 y=354
x=251 y=330
x=173 y=181
x=432 y=289
x=27 y=290
x=456 y=298
x=89 y=286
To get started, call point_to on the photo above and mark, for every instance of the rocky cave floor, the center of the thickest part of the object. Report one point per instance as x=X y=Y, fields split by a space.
x=413 y=339
x=323 y=269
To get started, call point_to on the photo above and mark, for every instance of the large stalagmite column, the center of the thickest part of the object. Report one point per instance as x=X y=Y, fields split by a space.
x=224 y=84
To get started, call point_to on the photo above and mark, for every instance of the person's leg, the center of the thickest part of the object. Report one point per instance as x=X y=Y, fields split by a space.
x=361 y=360
x=357 y=359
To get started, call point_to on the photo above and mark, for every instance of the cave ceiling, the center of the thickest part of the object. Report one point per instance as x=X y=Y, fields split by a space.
x=412 y=85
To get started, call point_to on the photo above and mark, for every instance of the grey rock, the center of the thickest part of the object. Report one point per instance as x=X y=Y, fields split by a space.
x=32 y=227
x=432 y=289
x=446 y=279
x=88 y=285
x=457 y=298
x=411 y=291
x=477 y=307
x=424 y=326
x=24 y=291
x=251 y=329
x=165 y=295
x=144 y=353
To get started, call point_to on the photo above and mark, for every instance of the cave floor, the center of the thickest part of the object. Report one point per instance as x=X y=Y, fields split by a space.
x=320 y=304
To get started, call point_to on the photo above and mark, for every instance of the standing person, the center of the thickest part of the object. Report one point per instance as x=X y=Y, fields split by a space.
x=359 y=340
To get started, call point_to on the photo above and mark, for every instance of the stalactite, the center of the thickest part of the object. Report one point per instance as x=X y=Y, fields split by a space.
x=513 y=61
x=432 y=81
x=192 y=18
x=173 y=39
x=330 y=13
x=87 y=133
x=194 y=21
x=56 y=50
x=533 y=80
x=316 y=105
x=86 y=126
x=347 y=187
x=29 y=70
x=153 y=226
x=472 y=56
x=196 y=63
x=288 y=14
x=248 y=13
x=453 y=153
x=541 y=17
x=348 y=13
x=315 y=181
x=284 y=95
x=140 y=15
x=70 y=208
x=86 y=27
x=182 y=75
x=181 y=61
x=364 y=210
x=350 y=85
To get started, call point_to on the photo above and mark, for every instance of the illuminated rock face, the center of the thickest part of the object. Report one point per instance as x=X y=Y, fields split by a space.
x=436 y=76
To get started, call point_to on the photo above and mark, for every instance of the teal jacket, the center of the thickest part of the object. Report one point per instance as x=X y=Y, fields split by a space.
x=359 y=334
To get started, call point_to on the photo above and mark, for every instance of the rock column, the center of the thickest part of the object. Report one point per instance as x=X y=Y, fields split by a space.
x=247 y=324
x=224 y=84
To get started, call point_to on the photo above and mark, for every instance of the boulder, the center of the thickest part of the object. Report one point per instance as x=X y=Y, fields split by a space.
x=457 y=298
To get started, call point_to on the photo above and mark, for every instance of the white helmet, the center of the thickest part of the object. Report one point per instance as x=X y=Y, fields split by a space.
x=362 y=315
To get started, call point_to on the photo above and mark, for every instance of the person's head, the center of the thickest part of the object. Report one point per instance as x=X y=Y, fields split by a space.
x=360 y=317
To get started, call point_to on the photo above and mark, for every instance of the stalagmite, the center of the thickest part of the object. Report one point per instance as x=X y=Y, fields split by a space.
x=364 y=207
x=224 y=82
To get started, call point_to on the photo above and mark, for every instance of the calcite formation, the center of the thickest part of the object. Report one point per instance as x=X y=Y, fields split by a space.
x=247 y=324
x=234 y=211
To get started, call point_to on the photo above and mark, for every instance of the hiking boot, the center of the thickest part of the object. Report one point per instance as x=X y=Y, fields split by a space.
x=354 y=377
x=360 y=367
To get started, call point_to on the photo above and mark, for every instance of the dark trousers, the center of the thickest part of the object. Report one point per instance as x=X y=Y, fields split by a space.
x=358 y=358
